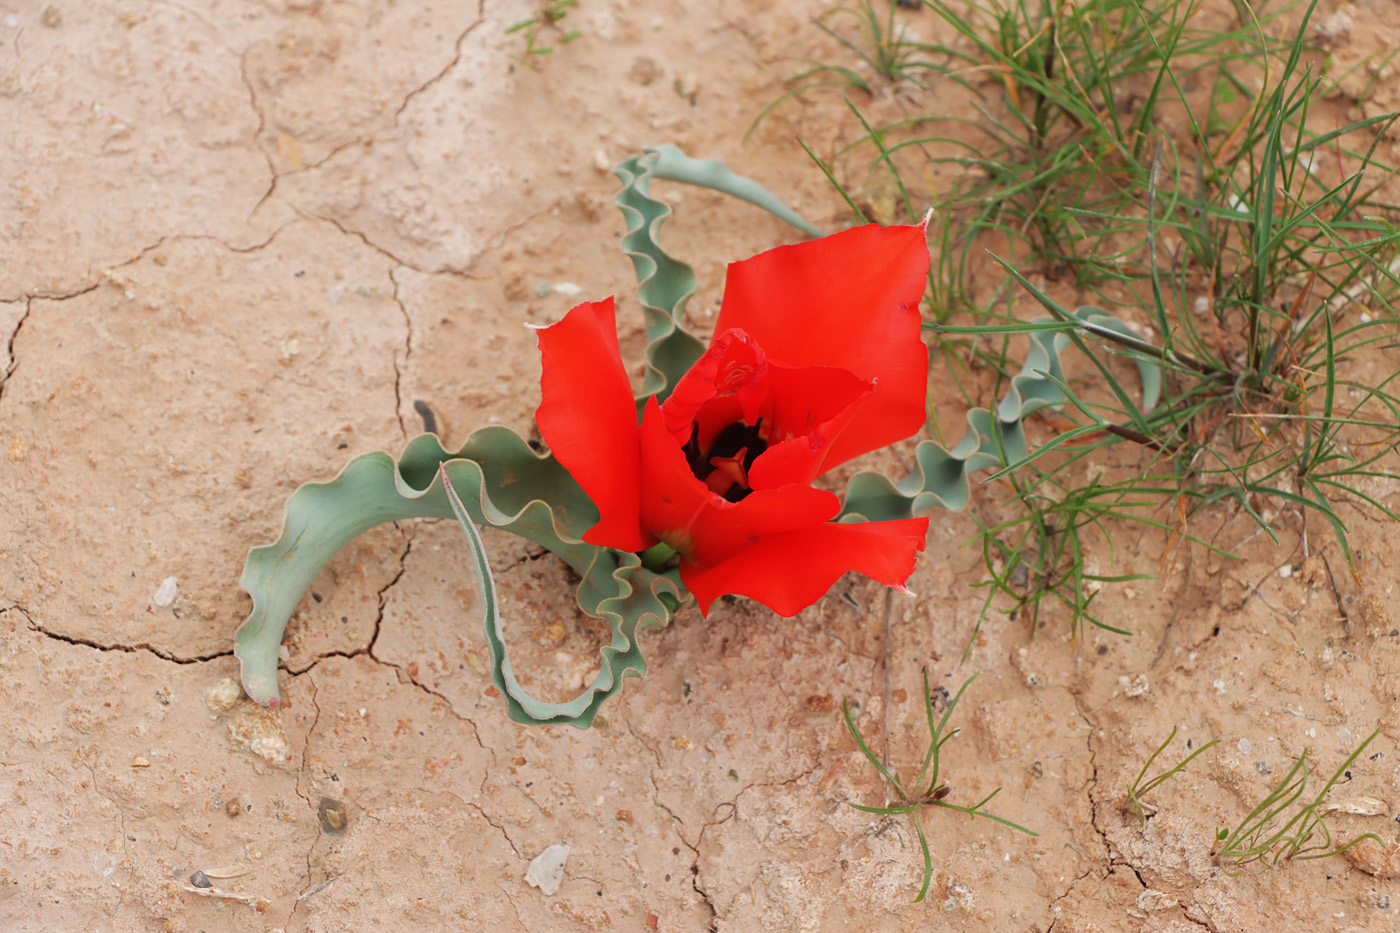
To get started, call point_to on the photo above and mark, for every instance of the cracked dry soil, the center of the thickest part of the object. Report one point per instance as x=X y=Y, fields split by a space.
x=243 y=241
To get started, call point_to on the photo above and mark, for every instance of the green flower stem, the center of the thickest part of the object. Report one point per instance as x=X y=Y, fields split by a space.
x=656 y=556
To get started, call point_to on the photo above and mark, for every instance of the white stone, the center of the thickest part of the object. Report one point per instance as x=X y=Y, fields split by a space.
x=165 y=593
x=546 y=870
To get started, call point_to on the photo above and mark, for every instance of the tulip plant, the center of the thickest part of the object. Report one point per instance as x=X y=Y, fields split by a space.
x=700 y=486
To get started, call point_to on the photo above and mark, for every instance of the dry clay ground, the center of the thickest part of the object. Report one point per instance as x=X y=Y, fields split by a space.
x=241 y=240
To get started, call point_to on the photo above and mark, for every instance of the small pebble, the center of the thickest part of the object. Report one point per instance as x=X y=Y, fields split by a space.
x=333 y=818
x=1337 y=26
x=546 y=870
x=223 y=695
x=140 y=761
x=165 y=593
x=259 y=731
x=687 y=85
x=200 y=880
x=644 y=70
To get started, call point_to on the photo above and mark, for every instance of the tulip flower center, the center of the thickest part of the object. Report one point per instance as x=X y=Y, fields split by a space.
x=724 y=467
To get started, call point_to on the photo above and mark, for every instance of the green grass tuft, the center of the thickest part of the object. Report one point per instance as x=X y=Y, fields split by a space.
x=1165 y=163
x=1305 y=835
x=935 y=792
x=1140 y=788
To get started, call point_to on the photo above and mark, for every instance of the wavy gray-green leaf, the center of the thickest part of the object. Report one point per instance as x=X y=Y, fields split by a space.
x=502 y=483
x=665 y=284
x=674 y=165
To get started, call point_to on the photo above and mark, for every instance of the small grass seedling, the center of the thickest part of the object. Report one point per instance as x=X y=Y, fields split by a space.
x=549 y=17
x=934 y=792
x=886 y=47
x=1258 y=838
x=880 y=42
x=1133 y=802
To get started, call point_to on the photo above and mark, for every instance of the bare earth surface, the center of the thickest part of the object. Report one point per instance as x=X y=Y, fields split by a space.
x=239 y=240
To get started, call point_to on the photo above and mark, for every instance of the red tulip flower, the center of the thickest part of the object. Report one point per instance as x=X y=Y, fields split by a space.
x=816 y=359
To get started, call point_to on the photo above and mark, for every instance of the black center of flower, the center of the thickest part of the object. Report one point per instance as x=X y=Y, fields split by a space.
x=725 y=466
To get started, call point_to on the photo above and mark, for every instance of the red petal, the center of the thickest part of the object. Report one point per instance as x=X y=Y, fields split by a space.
x=731 y=528
x=788 y=572
x=849 y=300
x=807 y=409
x=727 y=384
x=701 y=525
x=589 y=420
x=801 y=400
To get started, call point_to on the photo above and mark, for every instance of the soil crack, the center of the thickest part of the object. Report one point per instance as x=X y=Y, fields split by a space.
x=52 y=296
x=29 y=299
x=655 y=752
x=695 y=880
x=387 y=254
x=407 y=350
x=456 y=59
x=306 y=798
x=10 y=347
x=1111 y=858
x=121 y=819
x=257 y=131
x=368 y=649
x=383 y=595
x=403 y=673
x=1103 y=866
x=494 y=825
x=139 y=648
x=101 y=278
